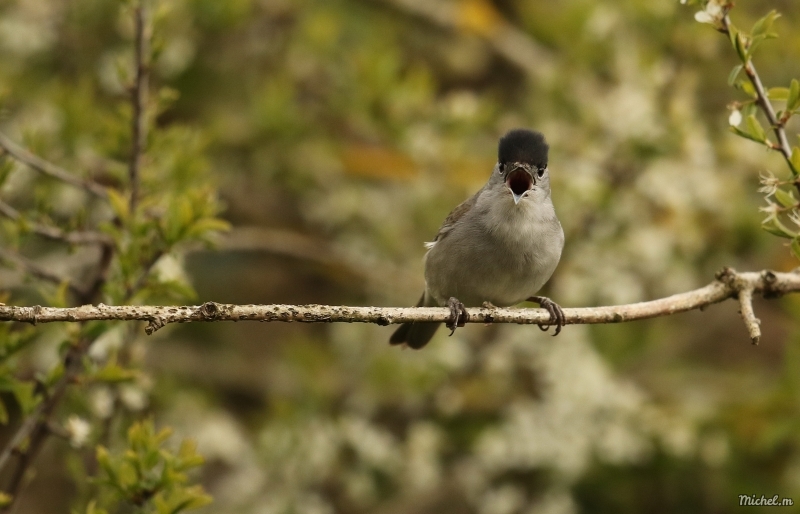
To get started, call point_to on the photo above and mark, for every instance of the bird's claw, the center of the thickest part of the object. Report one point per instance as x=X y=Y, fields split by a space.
x=458 y=315
x=556 y=313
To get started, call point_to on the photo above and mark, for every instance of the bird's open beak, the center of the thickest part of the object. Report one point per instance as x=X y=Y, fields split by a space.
x=519 y=182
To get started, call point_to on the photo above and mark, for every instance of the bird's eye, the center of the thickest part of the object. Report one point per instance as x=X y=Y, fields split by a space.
x=541 y=171
x=501 y=169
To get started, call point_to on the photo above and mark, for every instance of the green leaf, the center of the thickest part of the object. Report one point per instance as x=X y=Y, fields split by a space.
x=733 y=32
x=745 y=134
x=113 y=373
x=119 y=204
x=24 y=393
x=795 y=160
x=104 y=461
x=189 y=458
x=734 y=73
x=786 y=199
x=755 y=129
x=793 y=99
x=755 y=42
x=747 y=87
x=205 y=226
x=778 y=93
x=775 y=227
x=762 y=26
x=795 y=246
x=740 y=46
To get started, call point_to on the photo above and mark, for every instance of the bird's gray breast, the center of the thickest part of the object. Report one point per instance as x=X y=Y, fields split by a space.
x=497 y=252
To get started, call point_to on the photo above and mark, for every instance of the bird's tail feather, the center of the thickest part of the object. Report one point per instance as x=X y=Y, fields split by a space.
x=416 y=335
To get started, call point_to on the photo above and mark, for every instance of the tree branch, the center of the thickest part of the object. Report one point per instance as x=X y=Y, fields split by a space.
x=37 y=270
x=752 y=323
x=50 y=169
x=506 y=40
x=376 y=275
x=139 y=102
x=728 y=284
x=55 y=233
x=766 y=106
x=34 y=429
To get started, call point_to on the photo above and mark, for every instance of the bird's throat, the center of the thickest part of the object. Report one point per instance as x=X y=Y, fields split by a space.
x=519 y=182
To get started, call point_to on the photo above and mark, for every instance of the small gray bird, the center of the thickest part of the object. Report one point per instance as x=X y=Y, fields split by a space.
x=498 y=247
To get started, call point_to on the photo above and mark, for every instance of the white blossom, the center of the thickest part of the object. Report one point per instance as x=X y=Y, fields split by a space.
x=735 y=119
x=133 y=397
x=102 y=402
x=710 y=14
x=794 y=216
x=78 y=430
x=769 y=183
x=703 y=17
x=714 y=9
x=771 y=210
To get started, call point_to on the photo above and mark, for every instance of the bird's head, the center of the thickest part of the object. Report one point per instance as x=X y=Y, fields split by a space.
x=522 y=165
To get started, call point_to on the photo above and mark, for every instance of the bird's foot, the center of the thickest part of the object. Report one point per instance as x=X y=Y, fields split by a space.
x=488 y=305
x=458 y=315
x=555 y=310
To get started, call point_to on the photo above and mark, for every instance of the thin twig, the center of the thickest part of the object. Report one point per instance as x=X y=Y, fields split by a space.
x=37 y=270
x=35 y=428
x=21 y=434
x=50 y=169
x=376 y=275
x=748 y=315
x=506 y=40
x=82 y=237
x=103 y=267
x=728 y=284
x=139 y=102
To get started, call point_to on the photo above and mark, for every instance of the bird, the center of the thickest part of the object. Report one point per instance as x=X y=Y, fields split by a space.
x=497 y=248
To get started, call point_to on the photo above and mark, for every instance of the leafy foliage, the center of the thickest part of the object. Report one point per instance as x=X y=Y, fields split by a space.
x=149 y=477
x=136 y=259
x=781 y=203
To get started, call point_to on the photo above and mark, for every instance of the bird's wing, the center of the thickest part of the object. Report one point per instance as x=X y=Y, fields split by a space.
x=452 y=218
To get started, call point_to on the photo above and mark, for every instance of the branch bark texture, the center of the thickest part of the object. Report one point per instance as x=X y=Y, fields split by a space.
x=727 y=284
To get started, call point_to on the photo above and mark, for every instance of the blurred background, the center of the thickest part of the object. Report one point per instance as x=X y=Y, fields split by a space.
x=339 y=134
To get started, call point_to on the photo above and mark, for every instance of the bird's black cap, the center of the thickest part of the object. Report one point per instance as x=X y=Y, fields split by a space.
x=521 y=145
